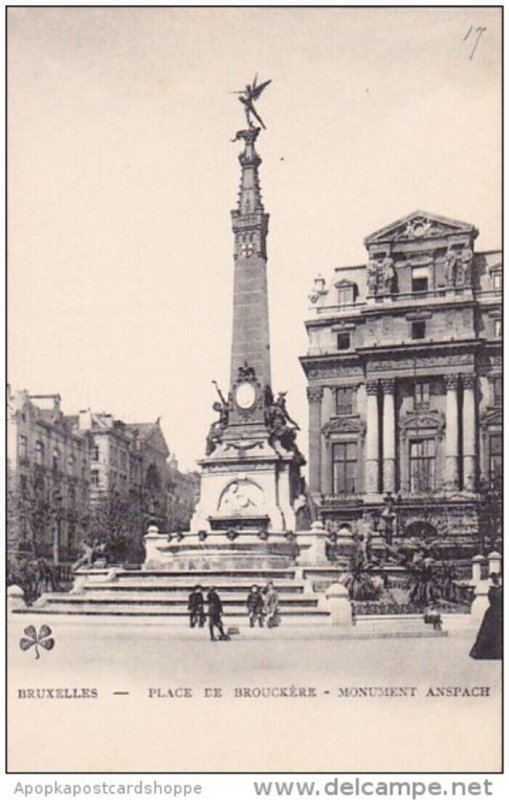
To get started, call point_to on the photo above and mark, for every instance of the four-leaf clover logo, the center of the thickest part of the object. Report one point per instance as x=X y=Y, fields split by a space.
x=34 y=639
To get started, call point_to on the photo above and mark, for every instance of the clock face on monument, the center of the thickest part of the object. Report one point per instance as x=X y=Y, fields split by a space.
x=245 y=395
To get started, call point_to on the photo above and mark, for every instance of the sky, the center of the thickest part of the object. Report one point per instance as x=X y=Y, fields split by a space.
x=122 y=176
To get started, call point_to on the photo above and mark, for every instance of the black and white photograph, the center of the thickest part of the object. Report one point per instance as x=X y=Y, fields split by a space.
x=254 y=404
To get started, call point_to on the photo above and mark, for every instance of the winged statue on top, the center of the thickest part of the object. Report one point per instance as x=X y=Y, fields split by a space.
x=248 y=96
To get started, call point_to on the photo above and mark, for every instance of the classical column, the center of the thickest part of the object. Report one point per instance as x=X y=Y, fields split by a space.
x=469 y=449
x=328 y=411
x=389 y=436
x=372 y=437
x=315 y=395
x=451 y=432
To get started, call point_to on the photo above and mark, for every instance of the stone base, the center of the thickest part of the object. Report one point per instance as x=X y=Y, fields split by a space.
x=218 y=553
x=246 y=485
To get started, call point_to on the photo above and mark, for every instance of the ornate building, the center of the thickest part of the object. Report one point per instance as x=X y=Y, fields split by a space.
x=87 y=474
x=404 y=384
x=129 y=462
x=48 y=476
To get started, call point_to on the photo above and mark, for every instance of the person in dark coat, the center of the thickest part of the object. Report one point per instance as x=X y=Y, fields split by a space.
x=196 y=606
x=215 y=609
x=488 y=644
x=255 y=606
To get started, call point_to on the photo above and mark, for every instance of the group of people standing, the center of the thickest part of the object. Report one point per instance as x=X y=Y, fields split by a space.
x=262 y=608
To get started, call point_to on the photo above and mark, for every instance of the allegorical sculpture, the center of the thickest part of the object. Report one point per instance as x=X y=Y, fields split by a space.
x=215 y=434
x=248 y=96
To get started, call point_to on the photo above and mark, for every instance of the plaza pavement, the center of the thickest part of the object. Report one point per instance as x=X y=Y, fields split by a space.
x=326 y=732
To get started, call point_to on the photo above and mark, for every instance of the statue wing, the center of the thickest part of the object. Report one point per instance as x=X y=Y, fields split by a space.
x=257 y=90
x=252 y=110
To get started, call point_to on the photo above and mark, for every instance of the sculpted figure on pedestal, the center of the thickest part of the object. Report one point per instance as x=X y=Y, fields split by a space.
x=215 y=435
x=372 y=276
x=282 y=428
x=450 y=261
x=387 y=275
x=466 y=257
x=248 y=96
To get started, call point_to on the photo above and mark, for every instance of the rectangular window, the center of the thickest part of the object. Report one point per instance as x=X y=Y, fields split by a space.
x=497 y=280
x=420 y=279
x=344 y=400
x=343 y=341
x=24 y=485
x=422 y=465
x=497 y=328
x=497 y=391
x=422 y=393
x=346 y=295
x=72 y=496
x=418 y=330
x=23 y=447
x=495 y=457
x=95 y=453
x=344 y=468
x=94 y=477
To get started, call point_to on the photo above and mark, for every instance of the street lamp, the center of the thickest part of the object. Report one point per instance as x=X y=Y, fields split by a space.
x=57 y=513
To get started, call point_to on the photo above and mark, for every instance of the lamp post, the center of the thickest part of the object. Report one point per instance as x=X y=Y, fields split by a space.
x=57 y=514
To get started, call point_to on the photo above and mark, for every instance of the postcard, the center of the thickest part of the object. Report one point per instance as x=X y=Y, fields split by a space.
x=254 y=415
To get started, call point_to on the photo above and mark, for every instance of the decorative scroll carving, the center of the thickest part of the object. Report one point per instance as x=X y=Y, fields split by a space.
x=371 y=387
x=469 y=381
x=389 y=385
x=348 y=425
x=314 y=394
x=451 y=382
x=335 y=370
x=431 y=419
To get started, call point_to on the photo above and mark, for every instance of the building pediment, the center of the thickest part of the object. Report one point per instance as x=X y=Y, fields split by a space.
x=418 y=226
x=492 y=419
x=424 y=420
x=340 y=425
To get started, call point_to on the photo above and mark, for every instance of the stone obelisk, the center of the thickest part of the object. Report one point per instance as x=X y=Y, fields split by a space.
x=250 y=476
x=250 y=337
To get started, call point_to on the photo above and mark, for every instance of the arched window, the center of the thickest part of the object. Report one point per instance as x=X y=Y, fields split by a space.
x=39 y=453
x=153 y=479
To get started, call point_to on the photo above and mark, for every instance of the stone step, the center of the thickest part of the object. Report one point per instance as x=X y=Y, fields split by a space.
x=193 y=574
x=179 y=602
x=159 y=586
x=301 y=616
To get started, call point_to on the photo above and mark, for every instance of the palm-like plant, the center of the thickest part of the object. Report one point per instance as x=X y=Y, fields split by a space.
x=359 y=579
x=422 y=583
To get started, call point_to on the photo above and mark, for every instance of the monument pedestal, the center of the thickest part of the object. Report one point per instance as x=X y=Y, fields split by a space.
x=246 y=487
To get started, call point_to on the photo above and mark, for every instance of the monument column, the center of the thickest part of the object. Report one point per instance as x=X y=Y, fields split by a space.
x=372 y=438
x=469 y=449
x=451 y=433
x=315 y=395
x=250 y=223
x=389 y=436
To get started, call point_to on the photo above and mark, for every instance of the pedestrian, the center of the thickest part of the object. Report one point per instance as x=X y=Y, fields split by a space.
x=215 y=609
x=255 y=606
x=196 y=606
x=271 y=606
x=488 y=644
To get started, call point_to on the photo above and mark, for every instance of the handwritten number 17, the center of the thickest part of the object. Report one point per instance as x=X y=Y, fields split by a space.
x=477 y=32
